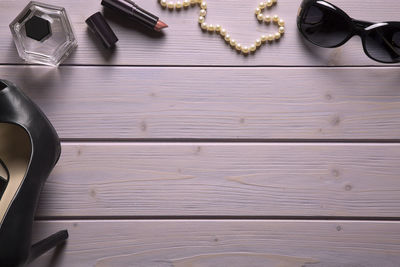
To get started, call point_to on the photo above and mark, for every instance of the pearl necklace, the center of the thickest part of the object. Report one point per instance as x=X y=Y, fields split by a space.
x=218 y=29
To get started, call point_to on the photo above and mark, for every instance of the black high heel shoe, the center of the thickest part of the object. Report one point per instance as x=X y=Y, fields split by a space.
x=29 y=150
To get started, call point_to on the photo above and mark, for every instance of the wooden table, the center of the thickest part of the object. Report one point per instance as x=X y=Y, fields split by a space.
x=177 y=151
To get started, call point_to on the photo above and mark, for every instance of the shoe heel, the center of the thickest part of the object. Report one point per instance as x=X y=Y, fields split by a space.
x=45 y=245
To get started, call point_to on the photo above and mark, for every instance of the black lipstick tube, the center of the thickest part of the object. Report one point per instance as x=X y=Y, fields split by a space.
x=133 y=11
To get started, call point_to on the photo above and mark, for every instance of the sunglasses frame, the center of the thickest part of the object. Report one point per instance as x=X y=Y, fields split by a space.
x=358 y=27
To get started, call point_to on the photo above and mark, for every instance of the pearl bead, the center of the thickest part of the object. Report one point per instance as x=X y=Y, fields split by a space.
x=264 y=38
x=222 y=32
x=238 y=47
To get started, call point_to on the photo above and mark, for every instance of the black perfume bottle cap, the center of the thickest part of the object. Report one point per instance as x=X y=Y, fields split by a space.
x=102 y=30
x=37 y=28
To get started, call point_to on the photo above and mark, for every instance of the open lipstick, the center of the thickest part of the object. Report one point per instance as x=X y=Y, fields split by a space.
x=136 y=13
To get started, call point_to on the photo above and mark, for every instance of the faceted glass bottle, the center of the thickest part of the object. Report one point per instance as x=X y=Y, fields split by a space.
x=43 y=34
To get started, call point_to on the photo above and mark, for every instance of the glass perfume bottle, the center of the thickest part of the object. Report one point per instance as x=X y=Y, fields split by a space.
x=43 y=34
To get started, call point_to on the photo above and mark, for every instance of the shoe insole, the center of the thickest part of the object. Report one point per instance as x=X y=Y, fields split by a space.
x=15 y=153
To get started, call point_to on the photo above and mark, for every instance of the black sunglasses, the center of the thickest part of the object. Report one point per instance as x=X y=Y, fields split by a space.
x=326 y=25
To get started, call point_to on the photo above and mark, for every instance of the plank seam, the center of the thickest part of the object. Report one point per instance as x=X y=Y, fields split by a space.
x=228 y=140
x=200 y=217
x=205 y=66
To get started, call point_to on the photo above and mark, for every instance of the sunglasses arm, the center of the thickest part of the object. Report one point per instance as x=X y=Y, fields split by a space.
x=388 y=44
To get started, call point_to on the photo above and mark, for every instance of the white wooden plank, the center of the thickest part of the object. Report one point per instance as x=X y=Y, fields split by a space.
x=184 y=42
x=216 y=179
x=221 y=243
x=231 y=103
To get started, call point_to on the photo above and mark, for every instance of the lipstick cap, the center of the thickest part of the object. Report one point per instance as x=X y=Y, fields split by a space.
x=102 y=30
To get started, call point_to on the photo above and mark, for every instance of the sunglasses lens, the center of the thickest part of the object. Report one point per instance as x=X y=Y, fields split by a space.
x=324 y=25
x=383 y=43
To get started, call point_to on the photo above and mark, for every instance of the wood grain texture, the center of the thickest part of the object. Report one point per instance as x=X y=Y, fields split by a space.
x=219 y=103
x=230 y=179
x=218 y=243
x=278 y=94
x=184 y=43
